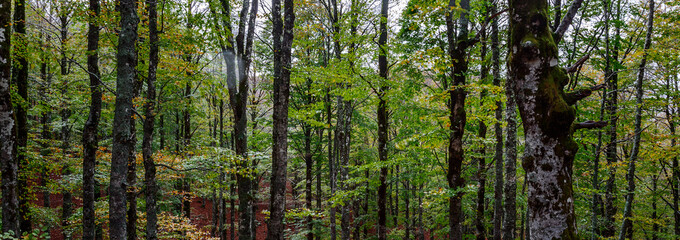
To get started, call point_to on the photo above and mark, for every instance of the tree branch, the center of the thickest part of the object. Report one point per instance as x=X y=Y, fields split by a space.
x=578 y=64
x=590 y=125
x=572 y=97
x=566 y=22
x=477 y=37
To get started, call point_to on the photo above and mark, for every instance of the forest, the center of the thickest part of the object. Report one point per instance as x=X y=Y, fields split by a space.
x=339 y=119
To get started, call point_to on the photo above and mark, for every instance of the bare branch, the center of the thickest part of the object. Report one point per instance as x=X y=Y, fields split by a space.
x=578 y=64
x=590 y=125
x=486 y=22
x=566 y=22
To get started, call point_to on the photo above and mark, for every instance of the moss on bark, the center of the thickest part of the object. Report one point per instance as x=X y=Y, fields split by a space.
x=547 y=117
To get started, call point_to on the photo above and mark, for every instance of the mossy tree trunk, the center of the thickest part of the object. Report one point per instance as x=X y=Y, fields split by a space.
x=20 y=79
x=547 y=116
x=8 y=151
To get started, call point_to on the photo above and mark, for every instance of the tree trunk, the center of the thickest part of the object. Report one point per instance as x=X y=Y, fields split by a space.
x=90 y=138
x=282 y=34
x=67 y=197
x=498 y=129
x=308 y=178
x=547 y=117
x=238 y=100
x=407 y=215
x=480 y=228
x=655 y=218
x=457 y=48
x=611 y=78
x=510 y=188
x=151 y=189
x=675 y=183
x=627 y=225
x=596 y=210
x=383 y=121
x=122 y=134
x=132 y=166
x=343 y=140
x=45 y=132
x=8 y=144
x=331 y=164
x=20 y=78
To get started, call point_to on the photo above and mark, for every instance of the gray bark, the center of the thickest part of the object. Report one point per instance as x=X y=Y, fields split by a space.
x=8 y=145
x=90 y=138
x=282 y=35
x=547 y=117
x=151 y=189
x=122 y=132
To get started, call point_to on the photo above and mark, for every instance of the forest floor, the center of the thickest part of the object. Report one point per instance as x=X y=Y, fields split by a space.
x=201 y=212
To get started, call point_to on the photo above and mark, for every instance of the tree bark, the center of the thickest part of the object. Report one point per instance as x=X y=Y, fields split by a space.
x=65 y=112
x=238 y=100
x=480 y=228
x=8 y=144
x=457 y=49
x=675 y=179
x=383 y=121
x=655 y=217
x=308 y=174
x=122 y=133
x=510 y=187
x=343 y=134
x=596 y=202
x=611 y=77
x=547 y=118
x=20 y=78
x=282 y=35
x=627 y=225
x=151 y=189
x=498 y=129
x=90 y=137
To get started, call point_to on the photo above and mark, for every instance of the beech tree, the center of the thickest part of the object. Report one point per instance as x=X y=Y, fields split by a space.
x=122 y=134
x=90 y=137
x=547 y=116
x=8 y=147
x=282 y=34
x=398 y=120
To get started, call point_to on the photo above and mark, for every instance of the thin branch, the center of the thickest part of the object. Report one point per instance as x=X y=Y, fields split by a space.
x=566 y=22
x=578 y=64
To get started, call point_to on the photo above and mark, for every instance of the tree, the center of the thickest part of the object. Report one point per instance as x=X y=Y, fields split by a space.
x=238 y=100
x=123 y=144
x=627 y=225
x=20 y=78
x=8 y=144
x=150 y=112
x=383 y=121
x=282 y=34
x=457 y=48
x=499 y=212
x=90 y=138
x=547 y=116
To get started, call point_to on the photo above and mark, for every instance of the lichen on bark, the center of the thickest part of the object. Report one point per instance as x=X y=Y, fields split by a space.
x=547 y=117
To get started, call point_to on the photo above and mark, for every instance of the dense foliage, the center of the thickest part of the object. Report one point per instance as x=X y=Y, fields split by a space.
x=331 y=119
